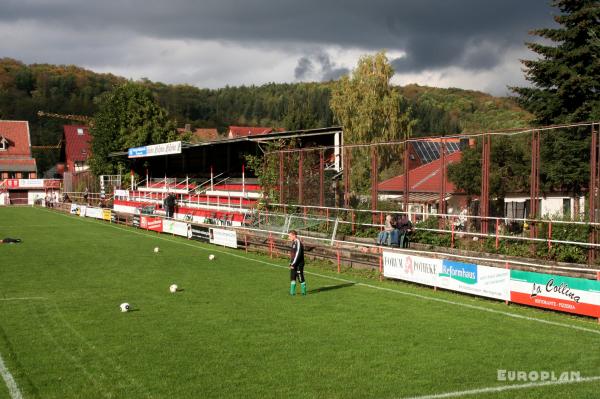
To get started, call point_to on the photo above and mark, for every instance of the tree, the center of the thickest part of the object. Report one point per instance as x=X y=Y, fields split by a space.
x=370 y=110
x=128 y=116
x=566 y=77
x=566 y=88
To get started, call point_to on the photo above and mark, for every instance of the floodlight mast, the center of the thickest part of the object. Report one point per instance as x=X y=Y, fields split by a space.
x=88 y=120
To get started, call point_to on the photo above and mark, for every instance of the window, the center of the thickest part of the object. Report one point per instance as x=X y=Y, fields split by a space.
x=79 y=131
x=3 y=144
x=566 y=206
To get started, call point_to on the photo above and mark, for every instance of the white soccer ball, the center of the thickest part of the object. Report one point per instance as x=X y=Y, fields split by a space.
x=211 y=257
x=173 y=288
x=156 y=250
x=125 y=307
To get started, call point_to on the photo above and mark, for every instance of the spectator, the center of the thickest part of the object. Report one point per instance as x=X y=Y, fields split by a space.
x=86 y=194
x=169 y=205
x=461 y=220
x=385 y=237
x=405 y=229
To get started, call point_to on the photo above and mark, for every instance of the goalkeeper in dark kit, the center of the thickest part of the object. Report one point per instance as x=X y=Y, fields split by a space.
x=296 y=263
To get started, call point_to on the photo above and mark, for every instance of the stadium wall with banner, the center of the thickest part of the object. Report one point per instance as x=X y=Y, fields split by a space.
x=227 y=238
x=177 y=228
x=200 y=233
x=564 y=294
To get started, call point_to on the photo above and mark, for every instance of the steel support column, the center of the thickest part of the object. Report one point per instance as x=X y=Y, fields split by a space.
x=322 y=178
x=593 y=192
x=374 y=182
x=534 y=182
x=281 y=179
x=484 y=200
x=301 y=178
x=442 y=204
x=406 y=192
x=346 y=178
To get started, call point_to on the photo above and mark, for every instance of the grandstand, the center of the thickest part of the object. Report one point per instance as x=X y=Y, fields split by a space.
x=228 y=202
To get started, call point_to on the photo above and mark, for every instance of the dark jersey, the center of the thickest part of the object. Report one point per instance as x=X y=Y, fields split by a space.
x=297 y=253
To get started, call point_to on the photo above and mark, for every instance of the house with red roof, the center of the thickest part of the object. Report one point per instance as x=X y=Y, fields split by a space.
x=244 y=131
x=199 y=135
x=16 y=161
x=424 y=185
x=76 y=147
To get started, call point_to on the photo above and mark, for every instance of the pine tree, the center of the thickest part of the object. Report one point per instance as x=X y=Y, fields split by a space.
x=566 y=89
x=566 y=77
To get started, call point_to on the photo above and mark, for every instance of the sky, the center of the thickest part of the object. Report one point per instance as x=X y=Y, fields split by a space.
x=469 y=44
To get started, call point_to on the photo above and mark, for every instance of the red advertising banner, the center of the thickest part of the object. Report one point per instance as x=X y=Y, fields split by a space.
x=49 y=183
x=11 y=183
x=151 y=223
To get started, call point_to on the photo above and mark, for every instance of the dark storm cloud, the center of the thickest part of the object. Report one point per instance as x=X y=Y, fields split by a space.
x=318 y=66
x=304 y=69
x=470 y=34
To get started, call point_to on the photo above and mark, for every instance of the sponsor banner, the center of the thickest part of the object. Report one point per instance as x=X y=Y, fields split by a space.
x=565 y=294
x=173 y=147
x=51 y=183
x=31 y=183
x=11 y=183
x=121 y=193
x=411 y=268
x=227 y=238
x=107 y=214
x=95 y=213
x=173 y=227
x=82 y=210
x=75 y=210
x=151 y=223
x=200 y=233
x=491 y=282
x=132 y=210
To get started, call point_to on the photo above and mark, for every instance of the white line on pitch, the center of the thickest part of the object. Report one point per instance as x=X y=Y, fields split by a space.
x=503 y=388
x=26 y=298
x=11 y=384
x=396 y=291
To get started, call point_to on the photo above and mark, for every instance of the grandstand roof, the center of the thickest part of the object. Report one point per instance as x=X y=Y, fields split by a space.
x=256 y=138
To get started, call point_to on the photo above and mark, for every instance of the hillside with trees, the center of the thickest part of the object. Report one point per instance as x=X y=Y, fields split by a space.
x=26 y=89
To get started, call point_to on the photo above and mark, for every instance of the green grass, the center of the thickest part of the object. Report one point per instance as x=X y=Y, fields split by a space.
x=235 y=332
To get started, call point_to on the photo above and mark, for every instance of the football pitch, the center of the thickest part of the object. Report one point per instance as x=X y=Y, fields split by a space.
x=233 y=330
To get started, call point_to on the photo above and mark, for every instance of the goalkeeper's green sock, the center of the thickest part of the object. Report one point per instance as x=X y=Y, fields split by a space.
x=303 y=288
x=293 y=288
